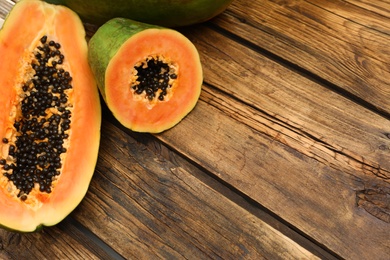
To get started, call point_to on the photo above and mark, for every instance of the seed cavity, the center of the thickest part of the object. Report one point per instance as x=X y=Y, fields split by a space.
x=42 y=122
x=154 y=78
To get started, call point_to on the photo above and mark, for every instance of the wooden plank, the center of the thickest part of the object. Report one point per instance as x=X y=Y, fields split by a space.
x=145 y=206
x=339 y=42
x=309 y=150
x=87 y=239
x=5 y=7
x=311 y=195
x=229 y=192
x=292 y=109
x=50 y=243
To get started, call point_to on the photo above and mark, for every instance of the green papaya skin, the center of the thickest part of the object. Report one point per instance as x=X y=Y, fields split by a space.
x=106 y=42
x=167 y=13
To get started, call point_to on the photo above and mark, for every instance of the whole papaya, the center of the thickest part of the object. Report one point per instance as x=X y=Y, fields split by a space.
x=168 y=13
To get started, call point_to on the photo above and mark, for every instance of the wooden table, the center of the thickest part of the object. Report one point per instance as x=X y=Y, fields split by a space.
x=286 y=155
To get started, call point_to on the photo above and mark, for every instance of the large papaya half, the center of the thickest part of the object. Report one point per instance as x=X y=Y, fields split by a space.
x=149 y=76
x=168 y=13
x=50 y=116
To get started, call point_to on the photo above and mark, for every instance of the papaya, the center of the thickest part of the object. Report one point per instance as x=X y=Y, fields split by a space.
x=167 y=13
x=149 y=76
x=50 y=116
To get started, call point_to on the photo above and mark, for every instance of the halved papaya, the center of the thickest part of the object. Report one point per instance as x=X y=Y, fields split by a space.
x=50 y=116
x=168 y=13
x=149 y=76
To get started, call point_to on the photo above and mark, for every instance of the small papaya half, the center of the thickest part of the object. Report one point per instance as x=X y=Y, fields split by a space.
x=168 y=13
x=150 y=77
x=50 y=116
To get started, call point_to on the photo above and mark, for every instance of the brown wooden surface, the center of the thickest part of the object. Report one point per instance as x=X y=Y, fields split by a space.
x=285 y=156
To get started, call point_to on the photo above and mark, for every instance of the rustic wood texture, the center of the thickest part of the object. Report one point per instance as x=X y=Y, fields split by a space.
x=285 y=156
x=341 y=42
x=157 y=208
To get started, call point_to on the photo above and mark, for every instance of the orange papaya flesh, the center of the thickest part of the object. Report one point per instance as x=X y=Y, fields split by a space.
x=168 y=13
x=50 y=116
x=150 y=77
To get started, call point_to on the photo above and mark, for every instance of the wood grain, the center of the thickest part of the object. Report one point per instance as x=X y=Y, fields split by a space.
x=340 y=42
x=312 y=196
x=144 y=206
x=292 y=109
x=5 y=6
x=53 y=243
x=158 y=209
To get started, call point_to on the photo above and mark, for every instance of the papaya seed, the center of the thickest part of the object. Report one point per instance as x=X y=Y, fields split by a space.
x=153 y=78
x=44 y=119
